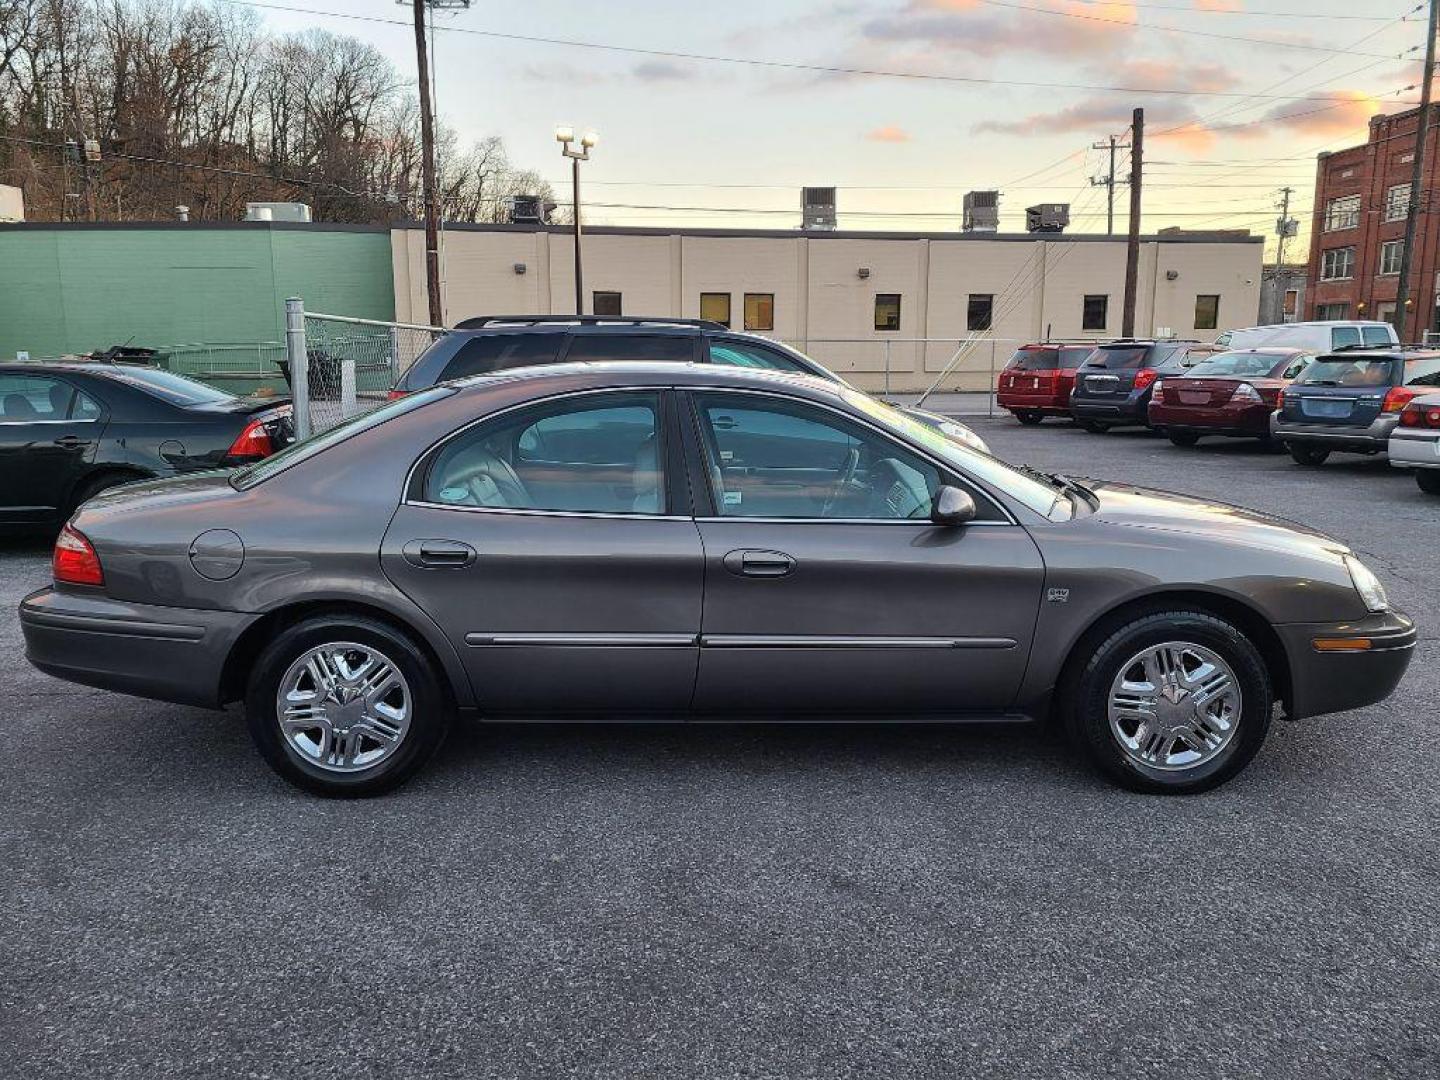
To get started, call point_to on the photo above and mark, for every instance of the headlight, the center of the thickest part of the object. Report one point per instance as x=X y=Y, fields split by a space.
x=1367 y=584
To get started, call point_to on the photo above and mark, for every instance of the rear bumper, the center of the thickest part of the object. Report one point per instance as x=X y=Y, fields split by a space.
x=1363 y=440
x=1328 y=682
x=1251 y=419
x=1130 y=410
x=1413 y=450
x=1047 y=404
x=170 y=654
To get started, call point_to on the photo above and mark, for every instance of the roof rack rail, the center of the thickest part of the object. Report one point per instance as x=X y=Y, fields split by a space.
x=481 y=322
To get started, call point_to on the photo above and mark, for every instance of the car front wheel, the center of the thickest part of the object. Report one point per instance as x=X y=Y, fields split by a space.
x=345 y=706
x=1307 y=455
x=1429 y=480
x=1175 y=702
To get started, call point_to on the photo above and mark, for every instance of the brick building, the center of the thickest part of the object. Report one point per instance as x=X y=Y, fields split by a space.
x=1362 y=194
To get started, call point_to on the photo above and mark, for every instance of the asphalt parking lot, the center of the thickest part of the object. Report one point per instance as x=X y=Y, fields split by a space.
x=748 y=902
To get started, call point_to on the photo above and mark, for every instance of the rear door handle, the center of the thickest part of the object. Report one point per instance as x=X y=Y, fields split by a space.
x=753 y=563
x=439 y=554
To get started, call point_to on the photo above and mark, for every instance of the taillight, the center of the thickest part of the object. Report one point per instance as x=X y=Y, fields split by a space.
x=396 y=395
x=1399 y=397
x=253 y=442
x=1144 y=377
x=75 y=561
x=1280 y=398
x=1421 y=416
x=1246 y=392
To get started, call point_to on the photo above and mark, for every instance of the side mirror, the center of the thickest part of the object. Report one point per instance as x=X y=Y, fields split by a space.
x=952 y=507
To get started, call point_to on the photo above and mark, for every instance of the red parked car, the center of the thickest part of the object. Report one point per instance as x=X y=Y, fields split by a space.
x=1231 y=393
x=1037 y=381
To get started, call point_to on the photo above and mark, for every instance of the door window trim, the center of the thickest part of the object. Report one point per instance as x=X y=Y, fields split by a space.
x=76 y=391
x=675 y=495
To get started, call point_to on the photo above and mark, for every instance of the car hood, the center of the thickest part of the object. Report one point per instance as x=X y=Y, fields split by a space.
x=1126 y=505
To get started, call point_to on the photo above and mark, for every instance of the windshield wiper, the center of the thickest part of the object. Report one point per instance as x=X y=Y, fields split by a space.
x=1060 y=480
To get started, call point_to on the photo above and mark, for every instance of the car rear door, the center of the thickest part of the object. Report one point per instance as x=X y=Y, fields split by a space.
x=48 y=434
x=550 y=544
x=828 y=591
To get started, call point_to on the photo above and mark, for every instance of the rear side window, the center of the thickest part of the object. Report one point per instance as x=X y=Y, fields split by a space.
x=1377 y=335
x=1340 y=336
x=1338 y=371
x=1035 y=360
x=1423 y=372
x=489 y=353
x=673 y=347
x=1126 y=359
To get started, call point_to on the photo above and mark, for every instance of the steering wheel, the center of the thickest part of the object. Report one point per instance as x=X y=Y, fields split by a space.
x=894 y=494
x=843 y=482
x=489 y=481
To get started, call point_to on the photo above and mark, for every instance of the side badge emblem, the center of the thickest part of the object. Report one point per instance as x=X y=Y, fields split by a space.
x=1057 y=596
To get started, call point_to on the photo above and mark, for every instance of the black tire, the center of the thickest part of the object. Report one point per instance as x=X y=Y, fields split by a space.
x=430 y=706
x=1429 y=480
x=1088 y=723
x=1095 y=427
x=1029 y=418
x=1183 y=438
x=1303 y=454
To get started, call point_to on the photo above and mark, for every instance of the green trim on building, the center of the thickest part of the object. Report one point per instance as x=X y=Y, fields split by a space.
x=73 y=288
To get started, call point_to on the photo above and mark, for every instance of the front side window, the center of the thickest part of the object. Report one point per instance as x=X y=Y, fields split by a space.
x=596 y=454
x=759 y=311
x=1397 y=202
x=605 y=304
x=715 y=306
x=30 y=399
x=744 y=354
x=774 y=458
x=1342 y=213
x=632 y=347
x=1390 y=253
x=1207 y=311
x=1096 y=313
x=488 y=353
x=1337 y=264
x=980 y=312
x=887 y=311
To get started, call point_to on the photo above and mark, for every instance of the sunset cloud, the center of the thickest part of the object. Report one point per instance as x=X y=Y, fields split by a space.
x=972 y=27
x=1219 y=5
x=888 y=133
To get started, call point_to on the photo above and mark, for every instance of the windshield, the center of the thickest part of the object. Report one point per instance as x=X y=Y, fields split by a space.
x=1341 y=371
x=1124 y=359
x=1236 y=363
x=1038 y=495
x=169 y=386
x=1034 y=360
x=301 y=451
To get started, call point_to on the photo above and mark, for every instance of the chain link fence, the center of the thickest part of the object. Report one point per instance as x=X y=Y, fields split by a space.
x=339 y=366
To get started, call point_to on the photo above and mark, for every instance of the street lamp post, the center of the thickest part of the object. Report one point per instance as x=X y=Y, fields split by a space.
x=565 y=136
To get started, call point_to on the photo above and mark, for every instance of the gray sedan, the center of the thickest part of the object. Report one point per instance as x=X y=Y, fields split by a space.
x=637 y=542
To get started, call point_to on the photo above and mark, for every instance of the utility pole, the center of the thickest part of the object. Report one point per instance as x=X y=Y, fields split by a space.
x=1283 y=226
x=427 y=170
x=1417 y=175
x=1108 y=181
x=1132 y=248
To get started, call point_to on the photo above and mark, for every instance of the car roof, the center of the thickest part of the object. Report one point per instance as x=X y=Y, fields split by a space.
x=67 y=367
x=599 y=374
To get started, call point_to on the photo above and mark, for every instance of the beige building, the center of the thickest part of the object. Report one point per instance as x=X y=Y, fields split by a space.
x=857 y=301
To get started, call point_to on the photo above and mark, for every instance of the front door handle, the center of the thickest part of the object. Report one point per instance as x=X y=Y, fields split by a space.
x=763 y=564
x=438 y=554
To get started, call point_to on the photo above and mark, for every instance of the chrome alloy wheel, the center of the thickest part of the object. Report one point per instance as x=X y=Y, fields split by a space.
x=1174 y=706
x=343 y=707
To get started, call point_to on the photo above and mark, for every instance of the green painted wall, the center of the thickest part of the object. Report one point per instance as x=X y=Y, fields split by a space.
x=70 y=289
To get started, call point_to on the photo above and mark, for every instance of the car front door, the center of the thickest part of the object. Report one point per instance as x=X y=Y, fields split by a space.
x=828 y=591
x=543 y=541
x=48 y=433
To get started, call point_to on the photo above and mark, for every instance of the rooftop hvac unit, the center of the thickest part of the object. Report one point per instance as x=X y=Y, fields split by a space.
x=1047 y=217
x=277 y=211
x=982 y=212
x=817 y=208
x=525 y=210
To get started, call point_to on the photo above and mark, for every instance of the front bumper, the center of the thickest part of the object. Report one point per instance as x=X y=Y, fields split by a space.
x=170 y=654
x=1336 y=681
x=1361 y=440
x=1415 y=449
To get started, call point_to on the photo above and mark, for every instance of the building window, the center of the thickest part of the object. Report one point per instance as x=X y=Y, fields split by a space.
x=1096 y=315
x=1342 y=213
x=1337 y=264
x=1332 y=312
x=1397 y=202
x=759 y=311
x=715 y=306
x=980 y=312
x=887 y=311
x=605 y=303
x=1207 y=311
x=1390 y=253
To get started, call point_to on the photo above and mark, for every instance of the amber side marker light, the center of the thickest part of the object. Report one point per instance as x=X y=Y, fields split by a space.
x=1341 y=644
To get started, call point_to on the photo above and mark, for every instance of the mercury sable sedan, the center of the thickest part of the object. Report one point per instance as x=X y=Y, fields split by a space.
x=637 y=542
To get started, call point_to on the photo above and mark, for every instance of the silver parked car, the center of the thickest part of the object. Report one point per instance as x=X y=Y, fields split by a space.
x=641 y=541
x=1415 y=442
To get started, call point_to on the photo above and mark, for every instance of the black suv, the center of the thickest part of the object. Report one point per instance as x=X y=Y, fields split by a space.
x=1113 y=385
x=490 y=343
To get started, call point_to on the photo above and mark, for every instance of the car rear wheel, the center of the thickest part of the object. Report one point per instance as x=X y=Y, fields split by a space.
x=345 y=706
x=1029 y=417
x=1183 y=438
x=1176 y=702
x=1307 y=455
x=1095 y=427
x=1429 y=480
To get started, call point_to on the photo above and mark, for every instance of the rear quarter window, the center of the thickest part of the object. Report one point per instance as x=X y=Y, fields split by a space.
x=673 y=347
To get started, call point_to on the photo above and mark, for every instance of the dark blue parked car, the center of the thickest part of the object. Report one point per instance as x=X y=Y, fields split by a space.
x=1114 y=384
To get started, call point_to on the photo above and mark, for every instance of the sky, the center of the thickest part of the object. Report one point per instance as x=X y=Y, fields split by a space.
x=1239 y=96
